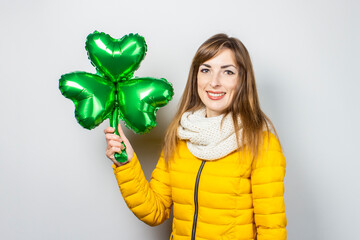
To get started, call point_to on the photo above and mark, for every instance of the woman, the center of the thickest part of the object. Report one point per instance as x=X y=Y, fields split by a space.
x=221 y=167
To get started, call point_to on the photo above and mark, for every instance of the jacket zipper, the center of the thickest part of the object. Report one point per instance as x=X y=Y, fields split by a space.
x=196 y=200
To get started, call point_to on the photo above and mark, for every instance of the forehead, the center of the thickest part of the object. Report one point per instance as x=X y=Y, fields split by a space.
x=223 y=57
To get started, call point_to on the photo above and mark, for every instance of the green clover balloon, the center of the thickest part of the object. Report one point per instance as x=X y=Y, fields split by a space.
x=113 y=92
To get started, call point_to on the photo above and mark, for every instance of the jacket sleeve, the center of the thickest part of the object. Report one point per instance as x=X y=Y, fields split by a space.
x=267 y=181
x=150 y=201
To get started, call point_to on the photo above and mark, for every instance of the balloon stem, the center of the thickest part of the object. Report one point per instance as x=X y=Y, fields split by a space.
x=114 y=122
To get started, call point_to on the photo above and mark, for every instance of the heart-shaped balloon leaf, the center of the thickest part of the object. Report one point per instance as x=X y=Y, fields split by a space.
x=117 y=59
x=139 y=99
x=94 y=98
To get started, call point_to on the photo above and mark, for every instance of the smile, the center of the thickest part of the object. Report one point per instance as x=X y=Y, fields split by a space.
x=215 y=95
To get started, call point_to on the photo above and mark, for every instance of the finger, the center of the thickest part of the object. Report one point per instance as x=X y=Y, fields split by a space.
x=114 y=137
x=110 y=155
x=121 y=132
x=126 y=142
x=113 y=143
x=122 y=147
x=112 y=150
x=116 y=149
x=109 y=130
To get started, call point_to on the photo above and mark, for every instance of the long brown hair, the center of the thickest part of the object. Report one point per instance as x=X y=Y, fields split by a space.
x=245 y=103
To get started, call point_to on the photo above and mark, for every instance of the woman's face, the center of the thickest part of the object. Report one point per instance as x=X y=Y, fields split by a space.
x=216 y=82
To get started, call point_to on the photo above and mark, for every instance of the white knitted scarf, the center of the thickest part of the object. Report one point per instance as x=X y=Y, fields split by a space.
x=206 y=138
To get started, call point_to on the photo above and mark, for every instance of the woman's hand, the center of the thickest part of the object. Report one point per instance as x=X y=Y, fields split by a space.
x=114 y=145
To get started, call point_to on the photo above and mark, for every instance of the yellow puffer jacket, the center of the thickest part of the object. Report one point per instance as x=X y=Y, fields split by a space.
x=218 y=199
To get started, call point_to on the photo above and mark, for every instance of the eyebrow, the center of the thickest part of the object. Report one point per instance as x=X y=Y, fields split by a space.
x=225 y=66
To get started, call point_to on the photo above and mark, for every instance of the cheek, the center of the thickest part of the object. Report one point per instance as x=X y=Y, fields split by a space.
x=231 y=86
x=198 y=87
x=201 y=83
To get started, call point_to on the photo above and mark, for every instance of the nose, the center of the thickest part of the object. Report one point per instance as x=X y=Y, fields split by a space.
x=215 y=80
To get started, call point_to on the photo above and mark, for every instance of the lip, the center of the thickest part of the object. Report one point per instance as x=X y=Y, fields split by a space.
x=212 y=97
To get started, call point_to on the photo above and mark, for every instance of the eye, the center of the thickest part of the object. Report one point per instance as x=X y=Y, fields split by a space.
x=229 y=72
x=204 y=70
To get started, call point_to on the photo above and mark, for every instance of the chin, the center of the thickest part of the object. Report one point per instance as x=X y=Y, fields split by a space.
x=216 y=111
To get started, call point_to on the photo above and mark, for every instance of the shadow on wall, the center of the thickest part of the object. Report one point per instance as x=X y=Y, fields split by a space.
x=148 y=148
x=300 y=184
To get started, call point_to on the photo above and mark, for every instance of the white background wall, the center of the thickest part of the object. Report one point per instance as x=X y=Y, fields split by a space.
x=55 y=181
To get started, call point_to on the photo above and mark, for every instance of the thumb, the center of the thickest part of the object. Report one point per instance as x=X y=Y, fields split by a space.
x=121 y=132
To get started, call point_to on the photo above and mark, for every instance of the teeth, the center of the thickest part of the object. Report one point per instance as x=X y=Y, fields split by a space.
x=216 y=94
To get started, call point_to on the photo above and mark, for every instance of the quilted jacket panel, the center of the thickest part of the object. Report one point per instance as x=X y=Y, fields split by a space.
x=236 y=198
